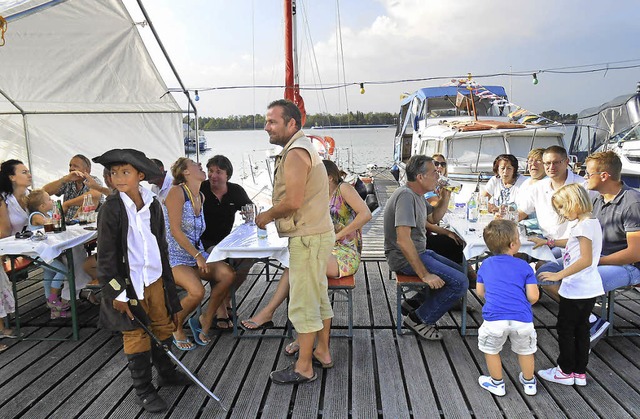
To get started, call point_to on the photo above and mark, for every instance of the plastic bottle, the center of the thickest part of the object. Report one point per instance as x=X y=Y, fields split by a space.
x=472 y=208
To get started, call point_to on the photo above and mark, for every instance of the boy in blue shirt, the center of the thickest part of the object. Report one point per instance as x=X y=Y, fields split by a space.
x=134 y=271
x=509 y=287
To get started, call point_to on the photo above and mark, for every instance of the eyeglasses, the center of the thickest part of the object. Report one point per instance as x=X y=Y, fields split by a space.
x=534 y=161
x=588 y=175
x=440 y=163
x=552 y=163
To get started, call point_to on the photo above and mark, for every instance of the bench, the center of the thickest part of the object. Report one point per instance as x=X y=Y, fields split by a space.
x=608 y=303
x=343 y=285
x=405 y=283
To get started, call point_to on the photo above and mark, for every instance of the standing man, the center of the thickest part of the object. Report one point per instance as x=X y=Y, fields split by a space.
x=617 y=207
x=301 y=212
x=405 y=241
x=73 y=186
x=160 y=185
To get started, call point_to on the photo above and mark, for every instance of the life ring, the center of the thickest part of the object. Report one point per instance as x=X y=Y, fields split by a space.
x=330 y=144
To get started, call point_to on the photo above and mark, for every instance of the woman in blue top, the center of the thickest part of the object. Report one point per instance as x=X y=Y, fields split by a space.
x=185 y=224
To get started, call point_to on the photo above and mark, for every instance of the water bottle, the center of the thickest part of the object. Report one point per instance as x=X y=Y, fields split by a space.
x=472 y=209
x=512 y=211
x=261 y=232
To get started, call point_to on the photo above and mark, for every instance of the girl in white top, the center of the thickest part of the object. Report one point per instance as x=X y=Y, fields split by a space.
x=581 y=284
x=503 y=188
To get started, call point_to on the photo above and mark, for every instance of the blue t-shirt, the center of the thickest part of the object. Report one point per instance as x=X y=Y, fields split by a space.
x=505 y=278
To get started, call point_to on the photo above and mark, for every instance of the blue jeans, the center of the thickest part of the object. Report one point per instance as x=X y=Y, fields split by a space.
x=616 y=276
x=613 y=276
x=438 y=302
x=53 y=279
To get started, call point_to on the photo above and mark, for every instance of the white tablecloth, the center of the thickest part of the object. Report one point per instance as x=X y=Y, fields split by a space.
x=243 y=242
x=475 y=245
x=50 y=248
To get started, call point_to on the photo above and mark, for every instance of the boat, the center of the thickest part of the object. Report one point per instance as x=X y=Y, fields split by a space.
x=614 y=125
x=470 y=125
x=190 y=140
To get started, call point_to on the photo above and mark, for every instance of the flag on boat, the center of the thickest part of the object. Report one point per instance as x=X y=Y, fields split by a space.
x=460 y=100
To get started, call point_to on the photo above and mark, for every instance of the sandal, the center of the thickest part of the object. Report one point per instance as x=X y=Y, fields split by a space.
x=251 y=325
x=291 y=349
x=3 y=347
x=55 y=314
x=223 y=321
x=184 y=345
x=198 y=334
x=424 y=331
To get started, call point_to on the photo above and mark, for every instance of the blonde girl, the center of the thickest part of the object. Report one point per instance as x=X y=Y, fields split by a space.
x=581 y=284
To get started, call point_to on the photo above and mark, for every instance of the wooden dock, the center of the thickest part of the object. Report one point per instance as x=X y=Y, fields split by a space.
x=376 y=374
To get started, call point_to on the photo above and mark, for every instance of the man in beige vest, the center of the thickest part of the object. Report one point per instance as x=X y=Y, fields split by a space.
x=301 y=212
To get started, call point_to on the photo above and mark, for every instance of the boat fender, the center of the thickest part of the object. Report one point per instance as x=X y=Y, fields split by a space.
x=370 y=188
x=372 y=201
x=361 y=188
x=395 y=172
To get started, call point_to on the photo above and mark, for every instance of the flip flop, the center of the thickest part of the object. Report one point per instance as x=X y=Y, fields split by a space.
x=291 y=349
x=190 y=344
x=256 y=326
x=3 y=348
x=315 y=361
x=218 y=321
x=196 y=329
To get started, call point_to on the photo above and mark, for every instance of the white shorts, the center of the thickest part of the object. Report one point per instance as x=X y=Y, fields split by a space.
x=493 y=334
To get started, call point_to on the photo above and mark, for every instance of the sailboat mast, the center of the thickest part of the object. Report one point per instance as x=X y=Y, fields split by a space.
x=291 y=55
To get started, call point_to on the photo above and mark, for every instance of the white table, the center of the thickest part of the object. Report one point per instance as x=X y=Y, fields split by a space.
x=243 y=243
x=68 y=241
x=475 y=245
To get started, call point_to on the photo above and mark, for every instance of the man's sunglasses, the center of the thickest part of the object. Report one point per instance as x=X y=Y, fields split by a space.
x=440 y=163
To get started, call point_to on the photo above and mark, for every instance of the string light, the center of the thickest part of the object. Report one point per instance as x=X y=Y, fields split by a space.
x=581 y=69
x=535 y=78
x=362 y=88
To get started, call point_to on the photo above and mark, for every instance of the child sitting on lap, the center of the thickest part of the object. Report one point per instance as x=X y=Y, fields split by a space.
x=40 y=205
x=510 y=287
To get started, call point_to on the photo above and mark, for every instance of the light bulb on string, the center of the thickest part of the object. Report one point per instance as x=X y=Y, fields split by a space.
x=197 y=96
x=362 y=88
x=535 y=78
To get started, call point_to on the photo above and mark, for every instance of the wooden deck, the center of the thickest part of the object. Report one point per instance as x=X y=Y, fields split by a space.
x=376 y=374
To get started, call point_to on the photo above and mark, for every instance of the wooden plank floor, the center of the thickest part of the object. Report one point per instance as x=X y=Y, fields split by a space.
x=376 y=374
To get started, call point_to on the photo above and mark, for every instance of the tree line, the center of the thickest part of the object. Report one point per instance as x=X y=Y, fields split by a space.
x=248 y=122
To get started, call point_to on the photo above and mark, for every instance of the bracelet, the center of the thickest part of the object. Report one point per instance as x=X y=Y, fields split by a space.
x=197 y=254
x=551 y=243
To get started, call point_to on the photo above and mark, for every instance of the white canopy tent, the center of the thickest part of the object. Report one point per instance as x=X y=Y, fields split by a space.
x=76 y=78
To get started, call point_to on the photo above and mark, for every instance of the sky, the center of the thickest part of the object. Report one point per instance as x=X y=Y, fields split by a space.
x=219 y=43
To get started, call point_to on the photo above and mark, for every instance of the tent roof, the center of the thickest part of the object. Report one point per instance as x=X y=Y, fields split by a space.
x=76 y=75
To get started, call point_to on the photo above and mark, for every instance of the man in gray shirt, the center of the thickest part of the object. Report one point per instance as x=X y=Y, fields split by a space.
x=405 y=241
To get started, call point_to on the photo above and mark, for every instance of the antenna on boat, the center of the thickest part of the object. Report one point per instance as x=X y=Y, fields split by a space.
x=473 y=103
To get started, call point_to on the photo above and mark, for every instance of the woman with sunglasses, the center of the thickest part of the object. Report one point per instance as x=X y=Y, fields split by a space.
x=502 y=189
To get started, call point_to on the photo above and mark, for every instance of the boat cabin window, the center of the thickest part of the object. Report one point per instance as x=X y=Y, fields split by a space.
x=429 y=147
x=520 y=145
x=475 y=152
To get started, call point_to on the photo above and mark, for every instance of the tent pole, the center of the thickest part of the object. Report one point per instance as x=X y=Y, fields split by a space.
x=173 y=68
x=27 y=143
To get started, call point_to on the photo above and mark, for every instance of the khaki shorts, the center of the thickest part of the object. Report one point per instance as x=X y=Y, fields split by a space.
x=492 y=336
x=308 y=299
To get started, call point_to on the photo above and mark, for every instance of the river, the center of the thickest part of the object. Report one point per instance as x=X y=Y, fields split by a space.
x=357 y=148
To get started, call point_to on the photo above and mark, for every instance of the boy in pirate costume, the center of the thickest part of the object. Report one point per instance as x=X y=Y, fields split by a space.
x=133 y=268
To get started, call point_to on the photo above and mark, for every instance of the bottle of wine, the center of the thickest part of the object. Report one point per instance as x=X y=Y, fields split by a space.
x=63 y=224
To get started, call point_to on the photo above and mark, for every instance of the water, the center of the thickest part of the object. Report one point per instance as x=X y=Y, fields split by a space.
x=356 y=148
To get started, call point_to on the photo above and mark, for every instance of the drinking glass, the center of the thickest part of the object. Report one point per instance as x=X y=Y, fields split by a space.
x=248 y=213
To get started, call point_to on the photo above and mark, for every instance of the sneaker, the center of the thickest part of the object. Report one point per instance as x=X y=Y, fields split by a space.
x=494 y=387
x=580 y=379
x=555 y=375
x=597 y=331
x=530 y=386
